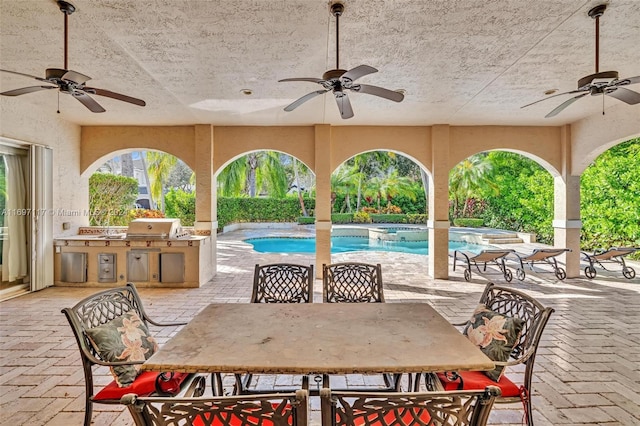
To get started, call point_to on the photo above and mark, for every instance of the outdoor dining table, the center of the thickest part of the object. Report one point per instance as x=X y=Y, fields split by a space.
x=318 y=338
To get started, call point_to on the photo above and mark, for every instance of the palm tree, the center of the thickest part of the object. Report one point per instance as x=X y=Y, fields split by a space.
x=159 y=164
x=389 y=184
x=367 y=164
x=252 y=173
x=466 y=179
x=343 y=180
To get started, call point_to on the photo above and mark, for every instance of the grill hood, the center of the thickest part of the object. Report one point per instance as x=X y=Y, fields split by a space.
x=155 y=228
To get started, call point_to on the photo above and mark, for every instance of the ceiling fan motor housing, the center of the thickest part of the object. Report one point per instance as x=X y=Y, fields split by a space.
x=598 y=79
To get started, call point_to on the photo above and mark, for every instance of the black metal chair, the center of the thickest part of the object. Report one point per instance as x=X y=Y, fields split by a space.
x=282 y=283
x=407 y=408
x=352 y=282
x=277 y=283
x=97 y=310
x=509 y=303
x=283 y=409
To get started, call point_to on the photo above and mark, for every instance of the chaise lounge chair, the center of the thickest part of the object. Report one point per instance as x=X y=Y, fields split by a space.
x=494 y=256
x=613 y=255
x=543 y=255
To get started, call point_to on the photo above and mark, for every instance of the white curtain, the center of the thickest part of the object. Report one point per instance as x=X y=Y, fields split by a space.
x=14 y=249
x=42 y=202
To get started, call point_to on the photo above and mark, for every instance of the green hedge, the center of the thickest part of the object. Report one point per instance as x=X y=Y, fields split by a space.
x=468 y=222
x=182 y=205
x=235 y=210
x=342 y=218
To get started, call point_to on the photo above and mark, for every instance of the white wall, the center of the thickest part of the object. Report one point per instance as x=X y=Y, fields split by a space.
x=40 y=124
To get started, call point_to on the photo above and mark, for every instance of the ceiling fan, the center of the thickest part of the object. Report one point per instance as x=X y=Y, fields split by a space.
x=69 y=81
x=600 y=83
x=338 y=80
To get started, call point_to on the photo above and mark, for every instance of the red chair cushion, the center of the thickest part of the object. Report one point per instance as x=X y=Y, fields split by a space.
x=402 y=416
x=232 y=419
x=473 y=380
x=143 y=385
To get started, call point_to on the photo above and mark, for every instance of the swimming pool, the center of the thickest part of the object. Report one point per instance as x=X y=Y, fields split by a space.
x=346 y=244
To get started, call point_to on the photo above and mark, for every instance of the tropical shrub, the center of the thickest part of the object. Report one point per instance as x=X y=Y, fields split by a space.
x=610 y=198
x=417 y=218
x=361 y=217
x=391 y=209
x=389 y=218
x=145 y=214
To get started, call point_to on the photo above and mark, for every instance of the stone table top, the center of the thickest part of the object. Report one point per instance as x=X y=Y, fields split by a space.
x=318 y=338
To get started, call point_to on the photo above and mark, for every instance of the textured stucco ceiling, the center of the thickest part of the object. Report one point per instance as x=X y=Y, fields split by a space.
x=460 y=62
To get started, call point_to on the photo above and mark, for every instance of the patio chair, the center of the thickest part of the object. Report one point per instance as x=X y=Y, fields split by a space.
x=352 y=282
x=493 y=256
x=282 y=283
x=277 y=283
x=283 y=409
x=407 y=408
x=542 y=255
x=533 y=318
x=102 y=309
x=614 y=255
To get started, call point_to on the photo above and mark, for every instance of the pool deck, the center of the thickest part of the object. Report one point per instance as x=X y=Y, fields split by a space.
x=587 y=370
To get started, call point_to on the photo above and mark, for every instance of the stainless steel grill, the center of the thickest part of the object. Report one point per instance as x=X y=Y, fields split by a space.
x=163 y=229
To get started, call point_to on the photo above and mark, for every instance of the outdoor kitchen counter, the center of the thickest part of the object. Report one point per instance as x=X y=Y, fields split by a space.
x=113 y=260
x=122 y=241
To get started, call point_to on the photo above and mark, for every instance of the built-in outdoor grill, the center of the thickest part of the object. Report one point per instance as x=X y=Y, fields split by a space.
x=152 y=229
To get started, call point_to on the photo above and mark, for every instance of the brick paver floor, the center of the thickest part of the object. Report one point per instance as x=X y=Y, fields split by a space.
x=587 y=370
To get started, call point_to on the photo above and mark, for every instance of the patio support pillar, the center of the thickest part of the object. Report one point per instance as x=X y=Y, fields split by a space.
x=439 y=203
x=206 y=222
x=323 y=196
x=567 y=223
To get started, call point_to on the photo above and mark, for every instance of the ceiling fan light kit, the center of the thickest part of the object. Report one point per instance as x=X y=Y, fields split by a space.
x=338 y=80
x=599 y=83
x=69 y=81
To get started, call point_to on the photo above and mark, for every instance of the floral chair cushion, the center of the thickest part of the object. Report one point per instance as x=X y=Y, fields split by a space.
x=494 y=334
x=125 y=338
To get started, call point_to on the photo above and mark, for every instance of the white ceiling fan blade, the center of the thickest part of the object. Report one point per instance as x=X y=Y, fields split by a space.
x=303 y=99
x=392 y=95
x=563 y=105
x=360 y=71
x=625 y=95
x=344 y=105
x=553 y=96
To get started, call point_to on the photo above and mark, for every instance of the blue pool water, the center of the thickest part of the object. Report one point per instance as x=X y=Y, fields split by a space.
x=345 y=244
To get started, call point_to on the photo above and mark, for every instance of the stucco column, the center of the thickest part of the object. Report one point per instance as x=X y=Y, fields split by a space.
x=566 y=205
x=439 y=203
x=323 y=196
x=206 y=222
x=566 y=223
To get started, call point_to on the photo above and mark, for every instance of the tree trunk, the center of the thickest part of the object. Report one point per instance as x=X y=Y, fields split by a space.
x=127 y=164
x=297 y=179
x=147 y=181
x=425 y=184
x=252 y=160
